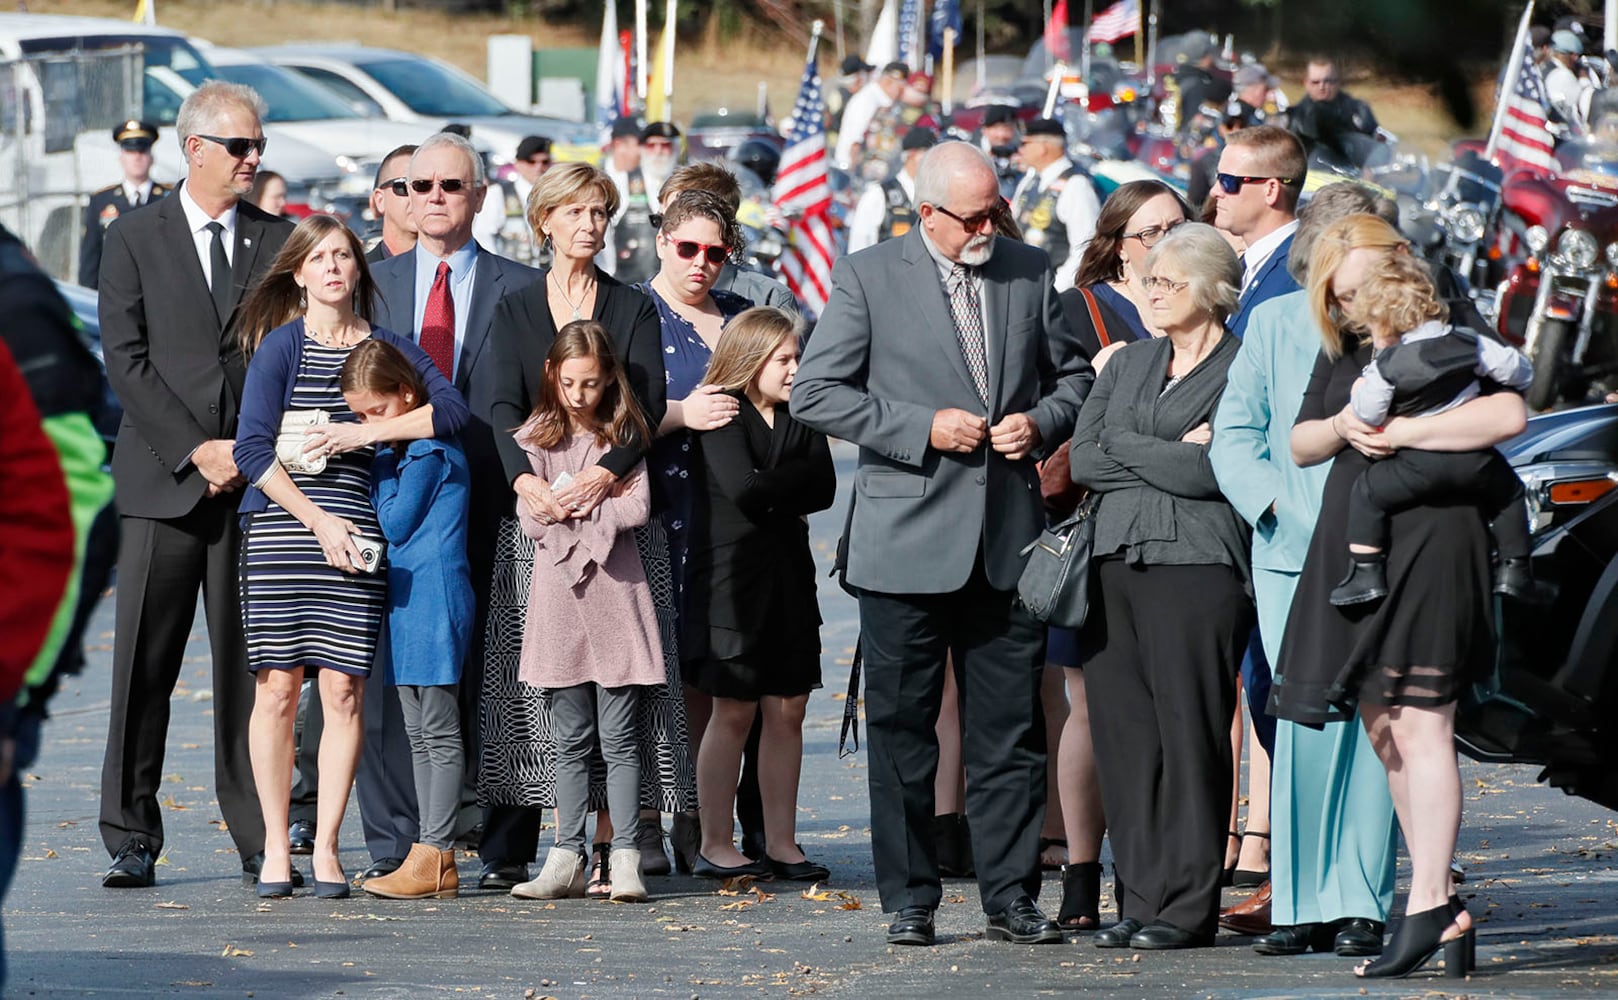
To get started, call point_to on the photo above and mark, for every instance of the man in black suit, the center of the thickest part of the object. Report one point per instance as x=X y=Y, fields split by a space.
x=134 y=139
x=447 y=188
x=945 y=356
x=171 y=279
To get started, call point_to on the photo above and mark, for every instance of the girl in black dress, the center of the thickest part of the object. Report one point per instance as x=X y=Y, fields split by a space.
x=1401 y=663
x=751 y=639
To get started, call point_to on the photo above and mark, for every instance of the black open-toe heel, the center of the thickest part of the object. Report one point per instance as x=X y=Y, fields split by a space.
x=1419 y=938
x=1246 y=878
x=1469 y=951
x=1081 y=897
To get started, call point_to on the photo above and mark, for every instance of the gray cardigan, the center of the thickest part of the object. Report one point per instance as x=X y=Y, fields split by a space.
x=1160 y=502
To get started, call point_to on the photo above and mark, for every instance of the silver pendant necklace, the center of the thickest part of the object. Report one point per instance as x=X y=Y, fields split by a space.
x=577 y=307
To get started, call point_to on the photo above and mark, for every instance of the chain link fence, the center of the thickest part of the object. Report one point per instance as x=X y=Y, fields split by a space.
x=57 y=111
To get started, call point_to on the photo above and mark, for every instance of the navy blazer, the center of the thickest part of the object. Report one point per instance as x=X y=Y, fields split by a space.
x=1272 y=281
x=494 y=278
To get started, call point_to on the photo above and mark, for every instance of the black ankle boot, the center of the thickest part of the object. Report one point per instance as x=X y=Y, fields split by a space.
x=1515 y=579
x=1081 y=897
x=1366 y=581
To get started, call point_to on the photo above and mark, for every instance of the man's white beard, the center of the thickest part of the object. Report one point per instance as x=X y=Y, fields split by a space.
x=977 y=254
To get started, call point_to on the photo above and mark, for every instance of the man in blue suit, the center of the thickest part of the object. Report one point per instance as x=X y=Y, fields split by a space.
x=1261 y=173
x=442 y=295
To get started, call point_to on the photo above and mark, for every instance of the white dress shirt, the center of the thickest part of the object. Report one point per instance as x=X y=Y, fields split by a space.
x=1260 y=250
x=197 y=221
x=862 y=109
x=137 y=194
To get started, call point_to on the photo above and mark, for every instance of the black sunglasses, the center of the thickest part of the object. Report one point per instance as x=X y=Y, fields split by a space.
x=1231 y=183
x=688 y=249
x=974 y=223
x=238 y=146
x=448 y=185
x=400 y=186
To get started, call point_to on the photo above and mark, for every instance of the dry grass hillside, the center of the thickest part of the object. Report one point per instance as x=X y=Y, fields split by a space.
x=707 y=73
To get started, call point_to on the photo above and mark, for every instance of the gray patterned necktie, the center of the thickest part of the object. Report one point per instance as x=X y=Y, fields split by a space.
x=968 y=313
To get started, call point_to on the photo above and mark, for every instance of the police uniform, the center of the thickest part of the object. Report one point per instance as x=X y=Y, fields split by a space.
x=887 y=209
x=107 y=204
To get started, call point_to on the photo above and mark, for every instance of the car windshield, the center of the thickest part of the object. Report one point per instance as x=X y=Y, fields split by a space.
x=429 y=89
x=166 y=56
x=289 y=97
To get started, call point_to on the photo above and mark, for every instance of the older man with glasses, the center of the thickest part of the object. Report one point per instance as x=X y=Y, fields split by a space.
x=442 y=295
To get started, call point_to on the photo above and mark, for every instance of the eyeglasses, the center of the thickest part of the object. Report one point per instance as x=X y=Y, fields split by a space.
x=687 y=249
x=399 y=186
x=1151 y=234
x=1164 y=285
x=1231 y=183
x=974 y=223
x=448 y=185
x=239 y=146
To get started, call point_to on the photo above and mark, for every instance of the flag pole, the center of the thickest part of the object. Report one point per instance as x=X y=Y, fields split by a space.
x=1058 y=71
x=983 y=70
x=640 y=51
x=1140 y=30
x=948 y=102
x=1508 y=86
x=668 y=61
x=837 y=18
x=1084 y=42
x=1151 y=48
x=1047 y=40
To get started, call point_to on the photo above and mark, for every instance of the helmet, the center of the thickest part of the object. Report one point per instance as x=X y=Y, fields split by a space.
x=758 y=156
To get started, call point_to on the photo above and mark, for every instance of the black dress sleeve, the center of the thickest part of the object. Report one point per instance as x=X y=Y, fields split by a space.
x=510 y=402
x=1314 y=396
x=799 y=484
x=641 y=341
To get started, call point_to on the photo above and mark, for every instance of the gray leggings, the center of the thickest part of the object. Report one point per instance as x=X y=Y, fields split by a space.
x=432 y=720
x=580 y=716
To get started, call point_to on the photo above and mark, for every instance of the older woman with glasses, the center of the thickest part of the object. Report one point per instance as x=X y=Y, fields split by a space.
x=1162 y=685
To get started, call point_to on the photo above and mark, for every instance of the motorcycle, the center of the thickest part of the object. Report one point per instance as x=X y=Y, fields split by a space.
x=1559 y=300
x=1460 y=208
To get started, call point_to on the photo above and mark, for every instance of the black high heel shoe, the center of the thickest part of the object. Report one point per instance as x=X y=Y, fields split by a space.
x=1470 y=938
x=1081 y=897
x=1419 y=938
x=1227 y=875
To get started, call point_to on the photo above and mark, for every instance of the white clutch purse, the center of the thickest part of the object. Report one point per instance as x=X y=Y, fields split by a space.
x=289 y=441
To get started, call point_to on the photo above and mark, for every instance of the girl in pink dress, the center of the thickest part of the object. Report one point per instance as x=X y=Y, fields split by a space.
x=591 y=640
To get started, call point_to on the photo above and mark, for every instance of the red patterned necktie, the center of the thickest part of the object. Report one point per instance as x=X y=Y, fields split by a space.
x=438 y=324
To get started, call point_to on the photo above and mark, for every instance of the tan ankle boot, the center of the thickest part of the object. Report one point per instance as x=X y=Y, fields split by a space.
x=427 y=873
x=561 y=878
x=624 y=865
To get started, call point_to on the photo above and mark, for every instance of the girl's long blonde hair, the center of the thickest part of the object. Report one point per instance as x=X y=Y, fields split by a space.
x=745 y=346
x=1353 y=232
x=619 y=419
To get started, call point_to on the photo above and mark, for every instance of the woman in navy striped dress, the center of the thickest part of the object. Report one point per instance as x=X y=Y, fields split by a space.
x=310 y=599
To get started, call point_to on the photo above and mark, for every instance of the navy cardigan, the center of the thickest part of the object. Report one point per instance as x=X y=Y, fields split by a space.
x=268 y=393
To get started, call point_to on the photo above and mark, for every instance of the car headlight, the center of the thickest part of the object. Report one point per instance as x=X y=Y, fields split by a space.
x=1537 y=238
x=1612 y=254
x=1467 y=223
x=1578 y=249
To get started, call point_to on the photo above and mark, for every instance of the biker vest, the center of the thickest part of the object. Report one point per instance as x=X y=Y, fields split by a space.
x=1041 y=226
x=633 y=238
x=901 y=215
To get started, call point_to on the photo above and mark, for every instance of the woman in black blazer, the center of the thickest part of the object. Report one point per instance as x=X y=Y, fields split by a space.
x=569 y=209
x=750 y=635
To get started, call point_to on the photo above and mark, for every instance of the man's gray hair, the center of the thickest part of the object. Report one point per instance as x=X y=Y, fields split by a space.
x=1203 y=257
x=449 y=140
x=1329 y=204
x=941 y=164
x=202 y=111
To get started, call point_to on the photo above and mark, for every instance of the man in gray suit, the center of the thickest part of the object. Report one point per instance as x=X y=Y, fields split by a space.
x=945 y=357
x=442 y=295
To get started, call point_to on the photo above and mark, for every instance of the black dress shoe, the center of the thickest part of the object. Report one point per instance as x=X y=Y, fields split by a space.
x=799 y=871
x=1358 y=936
x=1118 y=935
x=703 y=868
x=383 y=866
x=913 y=926
x=1366 y=582
x=255 y=864
x=501 y=876
x=1294 y=940
x=132 y=868
x=1160 y=936
x=301 y=835
x=1021 y=922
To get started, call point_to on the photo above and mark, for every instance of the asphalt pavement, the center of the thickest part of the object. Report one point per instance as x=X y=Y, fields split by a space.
x=1542 y=882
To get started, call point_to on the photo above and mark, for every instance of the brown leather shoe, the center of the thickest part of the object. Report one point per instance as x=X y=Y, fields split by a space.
x=427 y=873
x=1251 y=915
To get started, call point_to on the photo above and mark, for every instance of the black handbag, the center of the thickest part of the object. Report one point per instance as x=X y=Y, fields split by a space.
x=1055 y=583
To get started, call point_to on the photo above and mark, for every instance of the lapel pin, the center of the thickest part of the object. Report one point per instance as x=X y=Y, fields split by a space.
x=247 y=241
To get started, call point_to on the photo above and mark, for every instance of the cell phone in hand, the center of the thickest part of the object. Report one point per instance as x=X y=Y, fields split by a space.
x=370 y=559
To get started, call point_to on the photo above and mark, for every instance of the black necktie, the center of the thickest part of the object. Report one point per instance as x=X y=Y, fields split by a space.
x=219 y=265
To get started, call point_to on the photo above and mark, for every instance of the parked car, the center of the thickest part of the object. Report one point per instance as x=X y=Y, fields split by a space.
x=406 y=87
x=713 y=134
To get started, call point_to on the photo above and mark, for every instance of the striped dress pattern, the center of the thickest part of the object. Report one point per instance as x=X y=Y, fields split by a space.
x=297 y=611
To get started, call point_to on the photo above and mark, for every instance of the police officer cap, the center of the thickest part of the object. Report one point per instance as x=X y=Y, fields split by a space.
x=136 y=136
x=1567 y=41
x=919 y=137
x=660 y=130
x=532 y=146
x=999 y=114
x=854 y=64
x=1045 y=126
x=626 y=128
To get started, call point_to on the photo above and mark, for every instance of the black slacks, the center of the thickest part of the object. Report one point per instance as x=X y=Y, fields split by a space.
x=1409 y=478
x=1167 y=642
x=998 y=655
x=161 y=566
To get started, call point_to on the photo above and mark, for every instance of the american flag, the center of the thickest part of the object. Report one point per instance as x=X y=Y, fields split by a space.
x=910 y=33
x=803 y=194
x=1523 y=135
x=1120 y=20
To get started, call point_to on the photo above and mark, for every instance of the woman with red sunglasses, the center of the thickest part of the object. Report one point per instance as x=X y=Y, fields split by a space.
x=697 y=236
